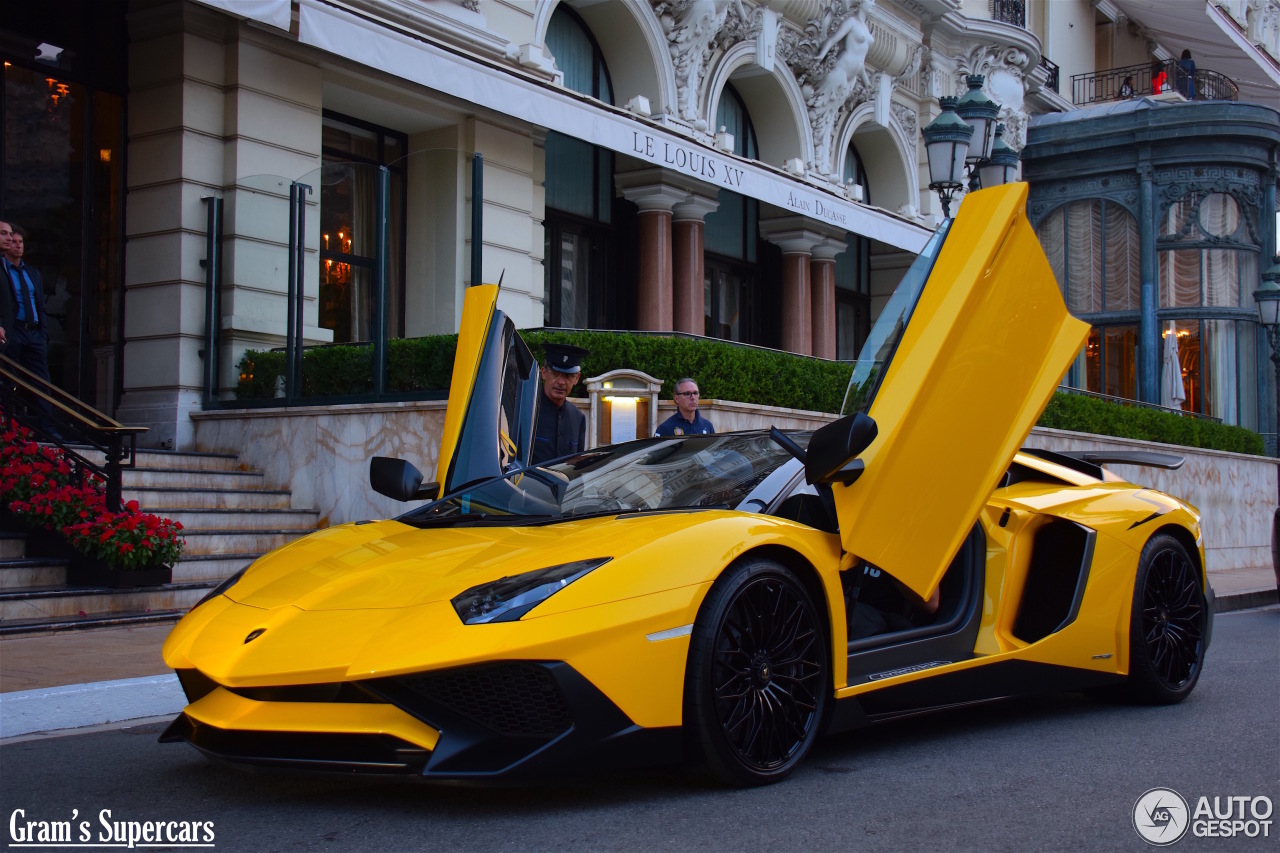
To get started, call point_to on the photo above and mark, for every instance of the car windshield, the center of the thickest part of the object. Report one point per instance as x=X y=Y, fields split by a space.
x=698 y=471
x=883 y=339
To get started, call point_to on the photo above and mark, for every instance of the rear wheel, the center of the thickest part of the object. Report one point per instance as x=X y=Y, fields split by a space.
x=1167 y=629
x=758 y=677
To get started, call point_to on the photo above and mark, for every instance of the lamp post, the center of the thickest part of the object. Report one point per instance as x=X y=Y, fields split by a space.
x=965 y=135
x=1268 y=299
x=946 y=142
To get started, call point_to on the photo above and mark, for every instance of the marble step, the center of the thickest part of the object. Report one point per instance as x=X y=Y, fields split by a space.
x=222 y=542
x=12 y=546
x=210 y=567
x=31 y=605
x=17 y=573
x=108 y=619
x=239 y=519
x=191 y=478
x=186 y=460
x=168 y=498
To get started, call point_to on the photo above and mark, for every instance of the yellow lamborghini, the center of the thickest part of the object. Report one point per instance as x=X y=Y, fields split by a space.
x=719 y=600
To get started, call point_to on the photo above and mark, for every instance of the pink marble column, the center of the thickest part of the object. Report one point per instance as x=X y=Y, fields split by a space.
x=688 y=268
x=822 y=282
x=796 y=301
x=655 y=197
x=653 y=313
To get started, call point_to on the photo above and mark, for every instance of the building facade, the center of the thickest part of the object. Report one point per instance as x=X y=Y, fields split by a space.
x=750 y=170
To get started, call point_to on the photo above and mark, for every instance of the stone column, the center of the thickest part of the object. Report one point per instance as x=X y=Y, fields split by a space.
x=689 y=270
x=822 y=284
x=211 y=101
x=797 y=237
x=655 y=195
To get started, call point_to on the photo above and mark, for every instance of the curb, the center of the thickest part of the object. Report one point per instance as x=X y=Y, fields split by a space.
x=79 y=705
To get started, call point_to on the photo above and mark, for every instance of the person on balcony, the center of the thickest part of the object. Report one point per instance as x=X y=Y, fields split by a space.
x=1187 y=76
x=1126 y=89
x=1159 y=79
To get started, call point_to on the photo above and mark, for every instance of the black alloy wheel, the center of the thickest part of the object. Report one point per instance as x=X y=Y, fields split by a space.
x=758 y=678
x=1170 y=616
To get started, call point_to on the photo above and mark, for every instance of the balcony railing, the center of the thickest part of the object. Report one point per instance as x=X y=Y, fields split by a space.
x=1010 y=12
x=1052 y=80
x=1156 y=78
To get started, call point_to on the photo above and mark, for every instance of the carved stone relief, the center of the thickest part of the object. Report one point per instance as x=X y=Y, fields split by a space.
x=695 y=29
x=1121 y=188
x=829 y=60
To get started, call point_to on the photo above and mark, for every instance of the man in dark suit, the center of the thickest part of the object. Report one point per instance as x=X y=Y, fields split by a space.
x=27 y=341
x=6 y=299
x=561 y=428
x=27 y=338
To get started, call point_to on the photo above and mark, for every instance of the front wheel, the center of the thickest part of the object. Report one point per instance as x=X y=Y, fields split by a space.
x=1167 y=630
x=758 y=679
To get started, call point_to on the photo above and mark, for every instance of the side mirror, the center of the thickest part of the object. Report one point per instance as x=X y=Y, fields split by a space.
x=833 y=450
x=398 y=479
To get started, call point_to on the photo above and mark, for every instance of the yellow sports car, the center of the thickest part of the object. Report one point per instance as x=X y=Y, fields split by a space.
x=717 y=599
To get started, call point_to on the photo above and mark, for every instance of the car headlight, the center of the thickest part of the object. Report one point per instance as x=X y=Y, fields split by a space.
x=222 y=587
x=507 y=599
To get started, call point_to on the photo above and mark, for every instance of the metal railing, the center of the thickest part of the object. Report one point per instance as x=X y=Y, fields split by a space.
x=1155 y=78
x=1010 y=12
x=58 y=418
x=1052 y=80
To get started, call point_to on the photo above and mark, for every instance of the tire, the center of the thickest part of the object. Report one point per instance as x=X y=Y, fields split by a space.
x=758 y=679
x=1167 y=630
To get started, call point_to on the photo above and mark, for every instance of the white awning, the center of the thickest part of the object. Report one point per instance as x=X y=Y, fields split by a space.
x=377 y=46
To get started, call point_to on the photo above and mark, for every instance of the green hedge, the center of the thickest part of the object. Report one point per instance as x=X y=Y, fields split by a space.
x=1079 y=413
x=723 y=371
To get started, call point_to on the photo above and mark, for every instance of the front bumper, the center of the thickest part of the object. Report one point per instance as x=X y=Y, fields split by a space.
x=507 y=719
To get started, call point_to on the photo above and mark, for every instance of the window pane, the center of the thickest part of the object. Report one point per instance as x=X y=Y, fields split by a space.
x=569 y=185
x=1052 y=234
x=1123 y=261
x=1111 y=356
x=723 y=230
x=1221 y=278
x=1180 y=278
x=1218 y=366
x=349 y=139
x=571 y=47
x=574 y=259
x=1247 y=374
x=1219 y=215
x=1084 y=248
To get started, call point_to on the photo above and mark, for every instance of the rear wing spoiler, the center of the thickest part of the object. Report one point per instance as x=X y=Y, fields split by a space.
x=1090 y=462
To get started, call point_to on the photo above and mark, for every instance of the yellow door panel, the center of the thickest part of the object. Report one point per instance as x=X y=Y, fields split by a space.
x=984 y=348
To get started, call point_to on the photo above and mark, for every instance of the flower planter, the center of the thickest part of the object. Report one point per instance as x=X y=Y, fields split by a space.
x=84 y=570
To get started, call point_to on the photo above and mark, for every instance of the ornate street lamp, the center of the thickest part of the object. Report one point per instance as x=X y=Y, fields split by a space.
x=946 y=142
x=966 y=135
x=1002 y=166
x=979 y=112
x=1268 y=299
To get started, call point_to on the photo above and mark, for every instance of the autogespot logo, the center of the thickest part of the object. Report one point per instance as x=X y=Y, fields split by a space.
x=1160 y=816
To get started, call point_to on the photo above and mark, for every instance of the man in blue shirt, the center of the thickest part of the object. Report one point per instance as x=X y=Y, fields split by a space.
x=26 y=333
x=686 y=420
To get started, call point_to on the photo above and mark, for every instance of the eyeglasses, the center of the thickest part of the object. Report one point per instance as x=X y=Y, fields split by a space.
x=686 y=393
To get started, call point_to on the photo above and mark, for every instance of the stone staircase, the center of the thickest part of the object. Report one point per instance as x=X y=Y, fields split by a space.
x=229 y=515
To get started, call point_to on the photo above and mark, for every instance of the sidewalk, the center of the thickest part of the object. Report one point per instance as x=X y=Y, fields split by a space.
x=73 y=679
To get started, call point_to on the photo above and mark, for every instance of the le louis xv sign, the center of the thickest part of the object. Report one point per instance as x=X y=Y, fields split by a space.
x=700 y=164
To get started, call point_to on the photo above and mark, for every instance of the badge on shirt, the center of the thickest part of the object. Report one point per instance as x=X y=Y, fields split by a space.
x=678 y=431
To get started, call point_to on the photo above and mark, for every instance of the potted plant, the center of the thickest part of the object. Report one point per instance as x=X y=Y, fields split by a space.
x=65 y=511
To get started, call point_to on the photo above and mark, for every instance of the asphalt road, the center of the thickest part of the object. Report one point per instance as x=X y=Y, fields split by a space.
x=1049 y=773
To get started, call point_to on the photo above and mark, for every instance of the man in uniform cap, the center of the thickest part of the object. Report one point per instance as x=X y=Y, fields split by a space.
x=562 y=429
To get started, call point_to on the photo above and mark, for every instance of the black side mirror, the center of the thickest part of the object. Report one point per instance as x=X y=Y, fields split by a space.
x=833 y=450
x=398 y=479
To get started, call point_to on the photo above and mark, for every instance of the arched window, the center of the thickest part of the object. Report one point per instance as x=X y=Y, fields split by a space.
x=577 y=233
x=853 y=273
x=731 y=284
x=1094 y=248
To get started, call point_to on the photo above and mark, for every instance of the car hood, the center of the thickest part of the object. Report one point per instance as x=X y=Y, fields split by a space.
x=387 y=564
